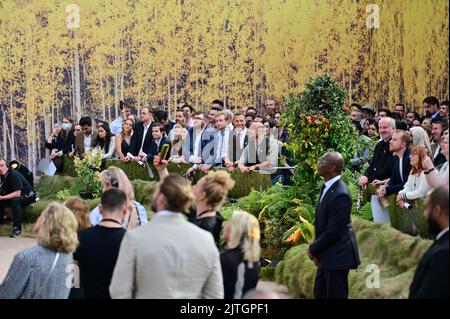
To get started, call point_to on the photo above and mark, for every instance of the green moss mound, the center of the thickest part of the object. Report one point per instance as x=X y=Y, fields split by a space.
x=396 y=254
x=49 y=186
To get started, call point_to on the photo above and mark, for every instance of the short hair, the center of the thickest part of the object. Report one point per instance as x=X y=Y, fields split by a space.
x=218 y=102
x=161 y=115
x=416 y=115
x=123 y=105
x=390 y=119
x=161 y=127
x=387 y=111
x=439 y=197
x=239 y=114
x=216 y=185
x=85 y=120
x=445 y=103
x=357 y=105
x=81 y=211
x=221 y=113
x=113 y=200
x=401 y=104
x=216 y=108
x=251 y=115
x=406 y=137
x=245 y=234
x=431 y=100
x=259 y=115
x=251 y=109
x=401 y=125
x=178 y=193
x=442 y=123
x=190 y=107
x=59 y=229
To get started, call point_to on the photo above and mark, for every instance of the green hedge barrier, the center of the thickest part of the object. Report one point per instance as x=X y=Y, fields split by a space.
x=409 y=221
x=49 y=186
x=394 y=253
x=134 y=171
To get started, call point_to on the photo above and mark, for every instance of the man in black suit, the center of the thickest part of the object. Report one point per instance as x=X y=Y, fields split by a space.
x=431 y=277
x=142 y=136
x=158 y=141
x=334 y=250
x=382 y=162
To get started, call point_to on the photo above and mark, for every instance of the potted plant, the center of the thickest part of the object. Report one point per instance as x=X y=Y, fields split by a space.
x=88 y=169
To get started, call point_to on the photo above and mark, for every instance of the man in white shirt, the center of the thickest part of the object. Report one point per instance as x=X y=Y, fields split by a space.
x=142 y=137
x=85 y=139
x=219 y=143
x=334 y=249
x=124 y=112
x=236 y=142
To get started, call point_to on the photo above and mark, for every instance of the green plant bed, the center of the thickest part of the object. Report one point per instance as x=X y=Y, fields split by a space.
x=409 y=221
x=49 y=186
x=396 y=254
x=244 y=182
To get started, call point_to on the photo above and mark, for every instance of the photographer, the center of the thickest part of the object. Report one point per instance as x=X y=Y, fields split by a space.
x=17 y=193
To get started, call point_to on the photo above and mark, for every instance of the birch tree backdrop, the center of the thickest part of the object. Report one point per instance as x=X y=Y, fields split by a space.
x=81 y=57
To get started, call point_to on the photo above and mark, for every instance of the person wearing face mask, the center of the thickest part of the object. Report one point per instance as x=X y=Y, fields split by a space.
x=59 y=141
x=431 y=277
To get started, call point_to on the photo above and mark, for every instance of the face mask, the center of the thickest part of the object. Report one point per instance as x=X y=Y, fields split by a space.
x=66 y=126
x=433 y=226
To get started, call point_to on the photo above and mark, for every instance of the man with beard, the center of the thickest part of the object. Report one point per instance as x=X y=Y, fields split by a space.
x=431 y=277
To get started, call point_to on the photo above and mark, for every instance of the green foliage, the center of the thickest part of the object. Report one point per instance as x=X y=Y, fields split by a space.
x=267 y=273
x=318 y=122
x=88 y=169
x=63 y=195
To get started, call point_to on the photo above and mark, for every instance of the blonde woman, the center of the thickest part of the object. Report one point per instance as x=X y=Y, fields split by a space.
x=123 y=140
x=210 y=193
x=115 y=177
x=239 y=262
x=40 y=271
x=80 y=210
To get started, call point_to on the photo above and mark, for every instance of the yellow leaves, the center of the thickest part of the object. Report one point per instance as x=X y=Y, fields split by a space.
x=261 y=214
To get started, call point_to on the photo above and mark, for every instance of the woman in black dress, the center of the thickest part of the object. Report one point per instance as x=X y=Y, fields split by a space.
x=240 y=261
x=123 y=140
x=210 y=193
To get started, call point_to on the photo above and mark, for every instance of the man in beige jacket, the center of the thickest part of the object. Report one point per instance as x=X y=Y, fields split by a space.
x=168 y=257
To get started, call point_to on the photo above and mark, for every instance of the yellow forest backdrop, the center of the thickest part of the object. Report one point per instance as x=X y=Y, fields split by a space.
x=55 y=62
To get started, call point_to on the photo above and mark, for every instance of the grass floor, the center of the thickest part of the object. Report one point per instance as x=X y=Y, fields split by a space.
x=381 y=247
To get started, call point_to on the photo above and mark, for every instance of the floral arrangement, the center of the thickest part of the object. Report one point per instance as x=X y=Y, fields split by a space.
x=88 y=169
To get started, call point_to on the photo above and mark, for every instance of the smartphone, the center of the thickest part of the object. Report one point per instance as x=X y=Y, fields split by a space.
x=164 y=152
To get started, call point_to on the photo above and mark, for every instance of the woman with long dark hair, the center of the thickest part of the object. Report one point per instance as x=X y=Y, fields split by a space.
x=105 y=141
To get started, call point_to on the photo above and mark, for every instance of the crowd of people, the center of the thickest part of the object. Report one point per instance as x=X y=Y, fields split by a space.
x=120 y=254
x=244 y=140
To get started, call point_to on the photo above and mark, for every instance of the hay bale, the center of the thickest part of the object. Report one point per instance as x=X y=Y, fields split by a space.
x=394 y=253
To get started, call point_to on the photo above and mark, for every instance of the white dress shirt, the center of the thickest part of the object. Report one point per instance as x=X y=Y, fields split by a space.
x=87 y=143
x=442 y=233
x=144 y=135
x=328 y=185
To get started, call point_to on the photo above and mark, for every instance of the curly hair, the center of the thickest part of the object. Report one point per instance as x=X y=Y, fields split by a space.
x=216 y=186
x=59 y=229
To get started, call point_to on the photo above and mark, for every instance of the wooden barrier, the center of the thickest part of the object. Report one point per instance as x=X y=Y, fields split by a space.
x=408 y=221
